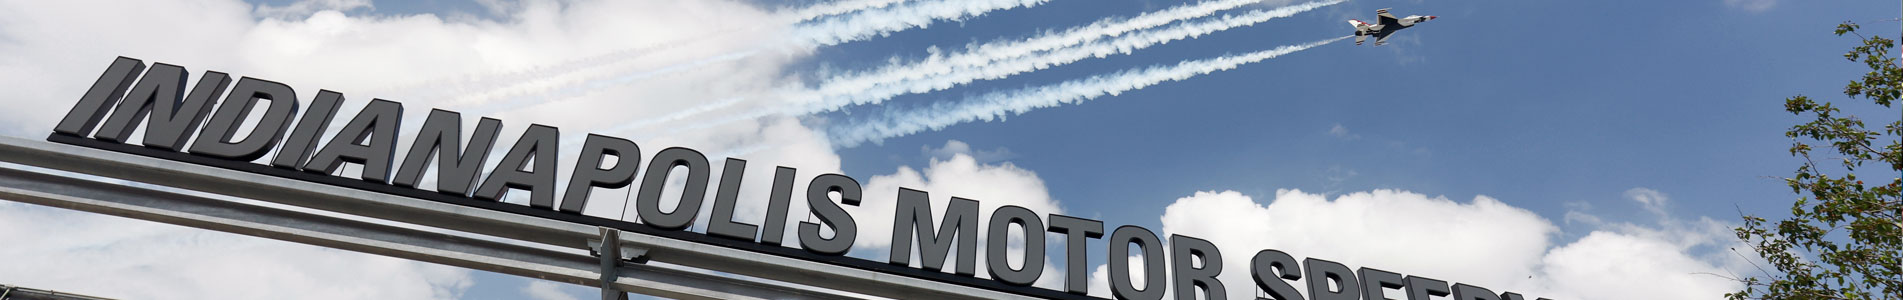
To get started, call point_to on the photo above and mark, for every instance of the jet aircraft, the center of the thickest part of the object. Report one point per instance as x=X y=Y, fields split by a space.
x=1387 y=25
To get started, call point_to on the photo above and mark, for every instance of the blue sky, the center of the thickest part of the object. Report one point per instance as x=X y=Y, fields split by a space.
x=1574 y=111
x=1536 y=102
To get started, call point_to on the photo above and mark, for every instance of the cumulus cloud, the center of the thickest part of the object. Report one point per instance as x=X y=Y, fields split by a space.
x=960 y=175
x=546 y=290
x=1483 y=242
x=1611 y=265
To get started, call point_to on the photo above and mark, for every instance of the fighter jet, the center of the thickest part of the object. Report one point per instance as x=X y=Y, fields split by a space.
x=1388 y=25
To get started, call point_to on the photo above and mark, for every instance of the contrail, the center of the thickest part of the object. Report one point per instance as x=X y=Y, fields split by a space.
x=838 y=7
x=483 y=89
x=878 y=86
x=590 y=86
x=487 y=86
x=998 y=105
x=1002 y=59
x=866 y=24
x=1005 y=49
x=860 y=25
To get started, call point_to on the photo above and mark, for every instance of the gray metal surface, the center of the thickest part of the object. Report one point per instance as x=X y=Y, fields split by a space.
x=434 y=247
x=8 y=292
x=448 y=216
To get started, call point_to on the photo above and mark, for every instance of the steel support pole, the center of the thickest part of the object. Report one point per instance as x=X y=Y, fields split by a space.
x=610 y=261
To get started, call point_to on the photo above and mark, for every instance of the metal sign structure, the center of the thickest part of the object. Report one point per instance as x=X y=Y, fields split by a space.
x=463 y=222
x=552 y=250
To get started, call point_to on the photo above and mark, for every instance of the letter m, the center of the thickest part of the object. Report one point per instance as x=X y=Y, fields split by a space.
x=914 y=214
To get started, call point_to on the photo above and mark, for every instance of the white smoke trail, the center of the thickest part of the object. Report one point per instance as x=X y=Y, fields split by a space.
x=838 y=7
x=1005 y=49
x=857 y=26
x=520 y=82
x=596 y=84
x=1003 y=59
x=997 y=105
x=866 y=24
x=878 y=86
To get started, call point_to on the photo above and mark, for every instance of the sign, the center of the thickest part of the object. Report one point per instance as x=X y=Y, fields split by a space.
x=212 y=114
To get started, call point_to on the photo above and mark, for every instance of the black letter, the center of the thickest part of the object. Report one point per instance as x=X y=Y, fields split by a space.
x=1375 y=282
x=178 y=117
x=539 y=142
x=1183 y=252
x=1153 y=276
x=1421 y=287
x=216 y=141
x=163 y=83
x=1463 y=291
x=1321 y=271
x=589 y=174
x=722 y=223
x=999 y=264
x=818 y=196
x=1270 y=264
x=1076 y=233
x=355 y=145
x=1514 y=296
x=776 y=207
x=960 y=223
x=303 y=139
x=441 y=138
x=99 y=99
x=648 y=203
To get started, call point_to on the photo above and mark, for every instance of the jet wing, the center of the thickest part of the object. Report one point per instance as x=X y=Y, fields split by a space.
x=1388 y=19
x=1382 y=36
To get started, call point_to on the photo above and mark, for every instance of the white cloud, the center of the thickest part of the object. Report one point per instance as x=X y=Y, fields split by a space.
x=1342 y=132
x=1752 y=5
x=1482 y=242
x=956 y=147
x=546 y=290
x=1610 y=265
x=962 y=176
x=1653 y=201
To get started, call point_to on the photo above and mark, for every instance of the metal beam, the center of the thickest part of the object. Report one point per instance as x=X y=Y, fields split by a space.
x=845 y=274
x=435 y=247
x=8 y=292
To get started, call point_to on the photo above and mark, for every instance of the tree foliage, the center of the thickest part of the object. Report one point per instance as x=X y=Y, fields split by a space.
x=1844 y=237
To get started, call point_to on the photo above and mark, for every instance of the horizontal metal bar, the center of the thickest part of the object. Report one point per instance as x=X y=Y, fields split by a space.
x=435 y=247
x=8 y=292
x=358 y=198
